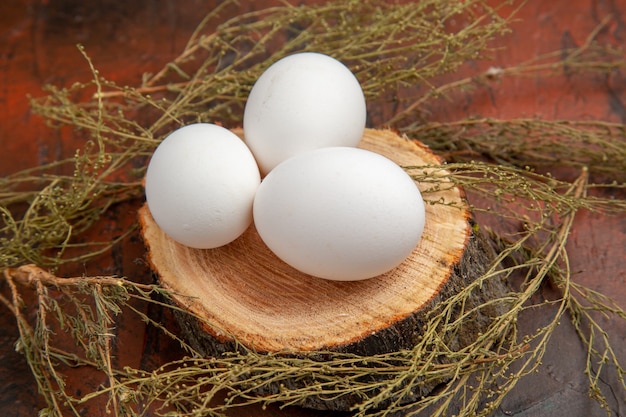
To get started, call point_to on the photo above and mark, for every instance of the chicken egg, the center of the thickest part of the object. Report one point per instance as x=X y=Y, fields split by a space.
x=303 y=102
x=200 y=186
x=339 y=213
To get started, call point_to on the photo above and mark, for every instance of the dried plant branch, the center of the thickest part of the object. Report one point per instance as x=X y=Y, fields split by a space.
x=45 y=210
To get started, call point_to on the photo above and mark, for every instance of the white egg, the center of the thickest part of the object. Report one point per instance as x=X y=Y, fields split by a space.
x=200 y=186
x=303 y=102
x=339 y=213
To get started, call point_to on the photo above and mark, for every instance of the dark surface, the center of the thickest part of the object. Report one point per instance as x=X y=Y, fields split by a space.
x=125 y=39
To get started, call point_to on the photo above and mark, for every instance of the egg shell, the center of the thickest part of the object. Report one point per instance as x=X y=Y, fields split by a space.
x=303 y=102
x=340 y=213
x=200 y=185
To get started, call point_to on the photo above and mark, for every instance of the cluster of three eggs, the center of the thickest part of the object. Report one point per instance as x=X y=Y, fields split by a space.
x=324 y=206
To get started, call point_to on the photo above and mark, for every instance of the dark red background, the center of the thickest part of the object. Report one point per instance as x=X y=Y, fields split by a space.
x=127 y=38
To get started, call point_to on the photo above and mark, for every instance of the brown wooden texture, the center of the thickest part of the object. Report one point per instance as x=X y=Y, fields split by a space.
x=251 y=295
x=37 y=46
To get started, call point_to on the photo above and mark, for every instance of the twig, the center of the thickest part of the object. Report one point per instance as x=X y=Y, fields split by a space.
x=30 y=275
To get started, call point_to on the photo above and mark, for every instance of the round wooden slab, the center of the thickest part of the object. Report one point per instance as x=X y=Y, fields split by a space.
x=247 y=293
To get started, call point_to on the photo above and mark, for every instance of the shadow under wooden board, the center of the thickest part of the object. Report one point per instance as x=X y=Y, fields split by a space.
x=37 y=47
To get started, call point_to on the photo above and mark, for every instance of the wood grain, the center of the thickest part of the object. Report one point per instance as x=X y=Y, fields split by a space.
x=254 y=297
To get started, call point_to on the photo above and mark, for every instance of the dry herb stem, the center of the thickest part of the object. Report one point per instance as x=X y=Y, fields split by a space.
x=391 y=48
